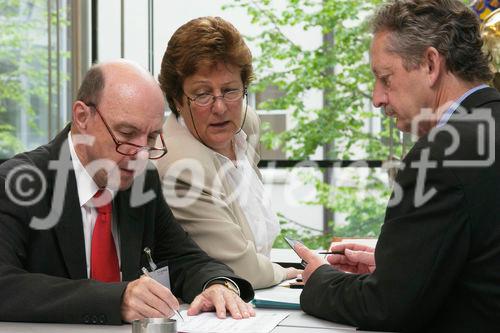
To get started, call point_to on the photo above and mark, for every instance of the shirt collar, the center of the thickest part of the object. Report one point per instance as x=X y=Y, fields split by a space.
x=85 y=185
x=446 y=116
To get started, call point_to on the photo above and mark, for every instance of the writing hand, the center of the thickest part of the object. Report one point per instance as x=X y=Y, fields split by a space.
x=147 y=298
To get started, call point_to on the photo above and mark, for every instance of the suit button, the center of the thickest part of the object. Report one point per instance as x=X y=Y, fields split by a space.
x=86 y=319
x=102 y=319
x=94 y=319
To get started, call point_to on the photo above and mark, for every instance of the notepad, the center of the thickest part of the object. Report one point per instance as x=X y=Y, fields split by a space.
x=278 y=298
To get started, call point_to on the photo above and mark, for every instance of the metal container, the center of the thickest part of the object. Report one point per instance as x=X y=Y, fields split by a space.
x=154 y=325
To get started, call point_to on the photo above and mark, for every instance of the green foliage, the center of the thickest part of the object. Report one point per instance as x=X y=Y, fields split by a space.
x=8 y=142
x=364 y=206
x=24 y=69
x=339 y=68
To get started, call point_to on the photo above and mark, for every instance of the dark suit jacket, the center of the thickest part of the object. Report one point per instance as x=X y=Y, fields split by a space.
x=43 y=275
x=438 y=264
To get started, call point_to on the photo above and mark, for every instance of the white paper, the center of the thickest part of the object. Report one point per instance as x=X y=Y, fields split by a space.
x=209 y=323
x=279 y=294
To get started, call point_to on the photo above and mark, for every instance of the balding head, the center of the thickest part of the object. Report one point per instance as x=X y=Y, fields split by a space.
x=94 y=81
x=130 y=107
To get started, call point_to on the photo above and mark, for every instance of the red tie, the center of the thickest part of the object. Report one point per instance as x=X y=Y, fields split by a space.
x=103 y=258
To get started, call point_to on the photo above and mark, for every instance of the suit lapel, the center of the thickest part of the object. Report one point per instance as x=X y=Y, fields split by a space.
x=131 y=228
x=69 y=230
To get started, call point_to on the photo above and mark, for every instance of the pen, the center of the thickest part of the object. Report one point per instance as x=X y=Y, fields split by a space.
x=332 y=252
x=145 y=271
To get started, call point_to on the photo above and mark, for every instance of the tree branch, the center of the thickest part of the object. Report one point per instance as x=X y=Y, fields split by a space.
x=272 y=19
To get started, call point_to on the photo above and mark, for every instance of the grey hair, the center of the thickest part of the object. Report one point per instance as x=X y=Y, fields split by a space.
x=92 y=86
x=447 y=25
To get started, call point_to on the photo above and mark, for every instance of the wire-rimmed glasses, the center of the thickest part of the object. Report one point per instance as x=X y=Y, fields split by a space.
x=229 y=96
x=131 y=149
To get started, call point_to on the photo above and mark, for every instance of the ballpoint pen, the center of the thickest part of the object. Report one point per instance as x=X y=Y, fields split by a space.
x=332 y=252
x=145 y=271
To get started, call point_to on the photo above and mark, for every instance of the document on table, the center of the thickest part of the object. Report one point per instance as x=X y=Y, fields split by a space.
x=277 y=297
x=208 y=322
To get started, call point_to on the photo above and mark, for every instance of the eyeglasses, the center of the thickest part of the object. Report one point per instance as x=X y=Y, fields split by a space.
x=229 y=96
x=131 y=149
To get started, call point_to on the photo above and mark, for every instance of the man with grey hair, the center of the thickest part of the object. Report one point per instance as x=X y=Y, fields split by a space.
x=74 y=253
x=436 y=267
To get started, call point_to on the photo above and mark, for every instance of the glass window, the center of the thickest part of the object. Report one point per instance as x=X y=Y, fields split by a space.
x=34 y=79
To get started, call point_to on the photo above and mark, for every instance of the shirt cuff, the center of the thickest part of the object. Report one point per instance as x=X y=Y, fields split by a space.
x=222 y=280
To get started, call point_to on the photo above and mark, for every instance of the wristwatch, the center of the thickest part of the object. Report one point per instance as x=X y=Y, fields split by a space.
x=229 y=284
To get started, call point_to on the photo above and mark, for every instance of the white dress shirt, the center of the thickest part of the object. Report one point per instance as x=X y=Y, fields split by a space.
x=87 y=188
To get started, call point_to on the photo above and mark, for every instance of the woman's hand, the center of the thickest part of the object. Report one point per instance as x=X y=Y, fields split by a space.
x=292 y=272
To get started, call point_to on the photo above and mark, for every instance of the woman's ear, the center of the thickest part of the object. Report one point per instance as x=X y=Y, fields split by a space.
x=81 y=115
x=178 y=105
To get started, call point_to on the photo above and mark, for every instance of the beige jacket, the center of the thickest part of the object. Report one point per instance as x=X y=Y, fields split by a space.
x=193 y=185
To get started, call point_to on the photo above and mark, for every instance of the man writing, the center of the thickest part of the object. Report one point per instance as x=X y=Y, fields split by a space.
x=74 y=253
x=436 y=266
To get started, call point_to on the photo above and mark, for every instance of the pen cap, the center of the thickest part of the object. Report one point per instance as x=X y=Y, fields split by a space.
x=154 y=325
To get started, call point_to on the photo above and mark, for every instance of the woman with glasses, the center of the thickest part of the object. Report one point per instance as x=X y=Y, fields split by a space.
x=210 y=176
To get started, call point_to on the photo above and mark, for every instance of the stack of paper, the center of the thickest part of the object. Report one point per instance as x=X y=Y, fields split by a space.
x=277 y=298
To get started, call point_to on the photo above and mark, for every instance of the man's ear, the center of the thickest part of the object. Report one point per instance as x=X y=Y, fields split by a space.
x=434 y=64
x=81 y=116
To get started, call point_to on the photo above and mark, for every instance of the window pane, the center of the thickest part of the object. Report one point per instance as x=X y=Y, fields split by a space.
x=33 y=67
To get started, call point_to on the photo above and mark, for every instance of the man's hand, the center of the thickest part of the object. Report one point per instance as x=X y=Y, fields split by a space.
x=219 y=298
x=359 y=259
x=147 y=298
x=312 y=259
